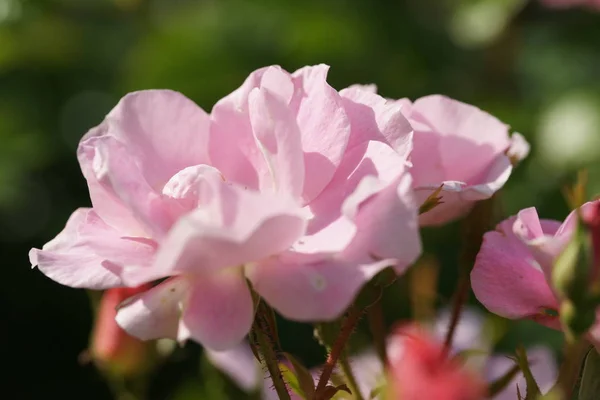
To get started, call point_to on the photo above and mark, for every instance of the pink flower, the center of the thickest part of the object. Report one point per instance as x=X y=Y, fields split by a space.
x=286 y=183
x=461 y=148
x=421 y=369
x=110 y=346
x=513 y=270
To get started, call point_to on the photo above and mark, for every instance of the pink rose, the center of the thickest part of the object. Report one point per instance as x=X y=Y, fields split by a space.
x=512 y=276
x=287 y=183
x=462 y=149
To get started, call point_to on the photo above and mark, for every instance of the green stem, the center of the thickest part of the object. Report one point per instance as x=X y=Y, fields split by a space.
x=348 y=326
x=376 y=321
x=262 y=333
x=570 y=368
x=350 y=378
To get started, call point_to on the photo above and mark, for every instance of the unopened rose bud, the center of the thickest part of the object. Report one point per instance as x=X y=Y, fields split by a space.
x=112 y=349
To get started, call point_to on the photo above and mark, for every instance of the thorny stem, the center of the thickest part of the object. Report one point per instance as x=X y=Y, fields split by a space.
x=571 y=366
x=376 y=321
x=460 y=298
x=348 y=326
x=350 y=378
x=262 y=333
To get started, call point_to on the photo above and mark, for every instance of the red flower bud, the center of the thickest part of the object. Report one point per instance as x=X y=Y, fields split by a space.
x=111 y=347
x=421 y=369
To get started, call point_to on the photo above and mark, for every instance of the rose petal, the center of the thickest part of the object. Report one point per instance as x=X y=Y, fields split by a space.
x=507 y=280
x=155 y=313
x=324 y=125
x=146 y=122
x=310 y=287
x=278 y=138
x=79 y=255
x=219 y=310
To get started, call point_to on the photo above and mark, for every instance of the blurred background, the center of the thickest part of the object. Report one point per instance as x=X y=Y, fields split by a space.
x=65 y=63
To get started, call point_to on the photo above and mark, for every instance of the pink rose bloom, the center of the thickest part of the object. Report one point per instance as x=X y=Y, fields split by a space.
x=461 y=148
x=512 y=275
x=590 y=4
x=300 y=189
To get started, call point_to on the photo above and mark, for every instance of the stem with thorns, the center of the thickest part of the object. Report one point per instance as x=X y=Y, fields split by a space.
x=263 y=334
x=348 y=326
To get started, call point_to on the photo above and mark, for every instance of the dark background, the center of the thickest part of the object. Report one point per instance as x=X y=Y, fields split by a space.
x=65 y=63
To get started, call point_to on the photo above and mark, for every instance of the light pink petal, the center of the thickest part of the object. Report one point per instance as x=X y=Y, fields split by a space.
x=120 y=174
x=367 y=209
x=324 y=125
x=387 y=227
x=370 y=159
x=162 y=130
x=232 y=145
x=106 y=204
x=278 y=138
x=81 y=255
x=468 y=140
x=239 y=364
x=519 y=147
x=374 y=118
x=233 y=227
x=543 y=367
x=310 y=287
x=219 y=310
x=507 y=280
x=458 y=197
x=543 y=246
x=155 y=314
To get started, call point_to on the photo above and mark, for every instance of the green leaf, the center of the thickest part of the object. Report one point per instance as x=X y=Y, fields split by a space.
x=589 y=389
x=533 y=390
x=290 y=378
x=305 y=380
x=331 y=391
x=432 y=201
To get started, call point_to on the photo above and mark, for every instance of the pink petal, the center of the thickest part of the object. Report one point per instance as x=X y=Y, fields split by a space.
x=233 y=227
x=324 y=125
x=374 y=118
x=219 y=310
x=119 y=173
x=506 y=278
x=310 y=287
x=458 y=197
x=239 y=364
x=519 y=147
x=162 y=130
x=543 y=246
x=106 y=204
x=80 y=256
x=387 y=227
x=155 y=314
x=232 y=145
x=466 y=145
x=278 y=137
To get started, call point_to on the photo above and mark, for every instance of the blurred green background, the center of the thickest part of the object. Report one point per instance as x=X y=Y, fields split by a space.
x=65 y=63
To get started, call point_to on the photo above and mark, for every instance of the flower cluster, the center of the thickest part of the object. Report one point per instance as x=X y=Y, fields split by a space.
x=293 y=195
